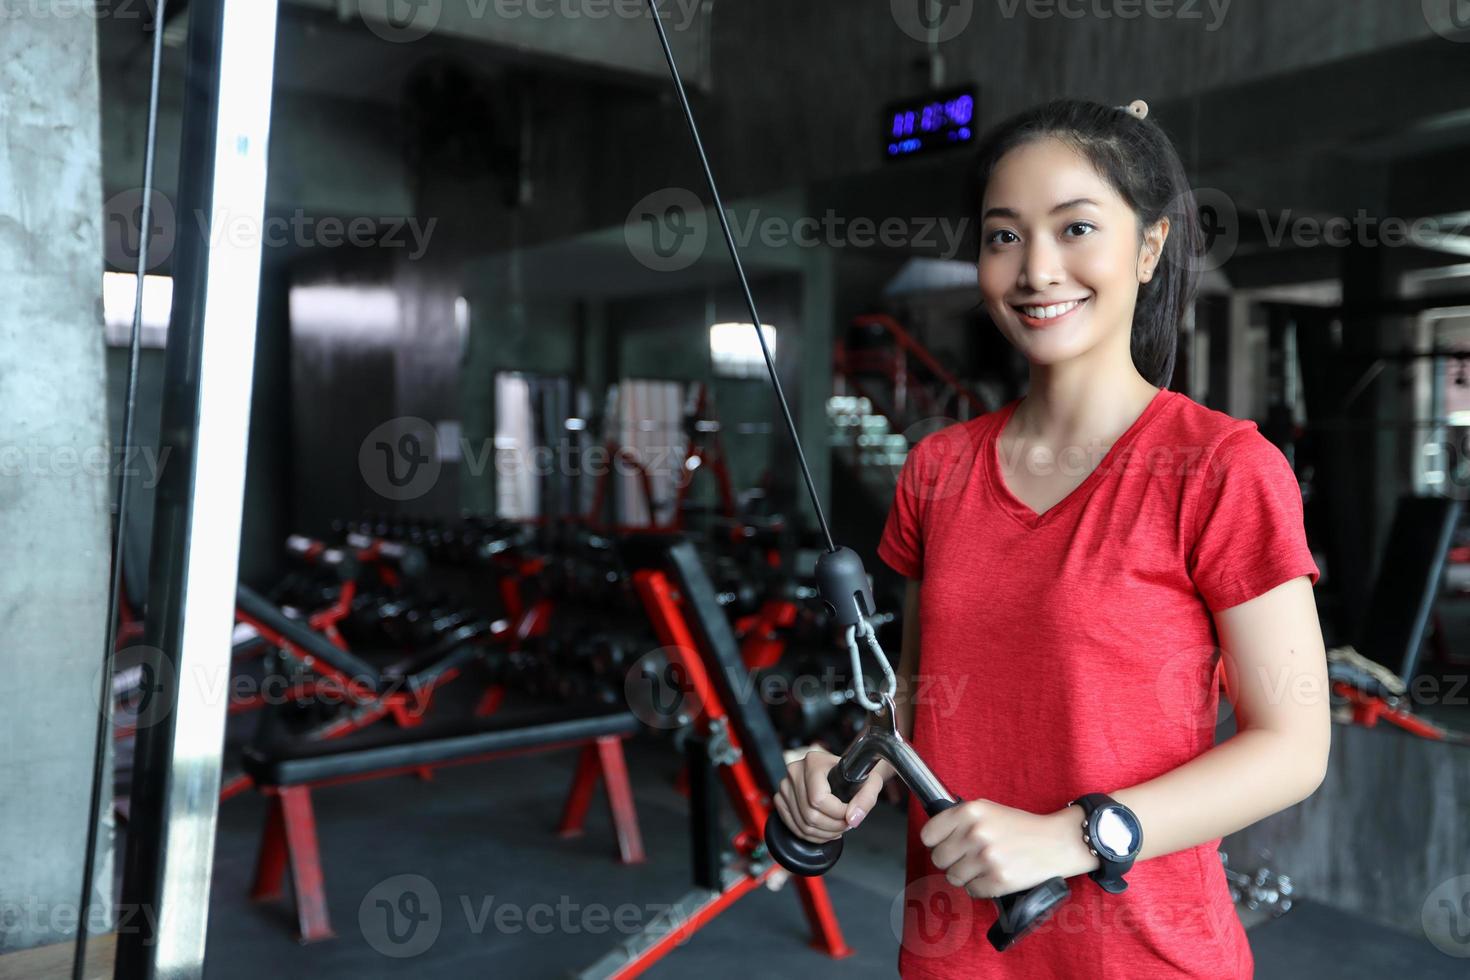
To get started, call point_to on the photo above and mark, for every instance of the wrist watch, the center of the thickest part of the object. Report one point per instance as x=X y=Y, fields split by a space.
x=1112 y=833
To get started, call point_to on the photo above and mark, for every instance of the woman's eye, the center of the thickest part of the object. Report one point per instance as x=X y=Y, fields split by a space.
x=1089 y=228
x=991 y=239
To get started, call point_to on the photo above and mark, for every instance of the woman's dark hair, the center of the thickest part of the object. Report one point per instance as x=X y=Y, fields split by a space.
x=1138 y=160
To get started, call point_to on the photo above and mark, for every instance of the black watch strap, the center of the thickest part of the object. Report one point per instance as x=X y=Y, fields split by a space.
x=1110 y=872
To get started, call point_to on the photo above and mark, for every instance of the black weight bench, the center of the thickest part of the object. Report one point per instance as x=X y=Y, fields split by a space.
x=288 y=774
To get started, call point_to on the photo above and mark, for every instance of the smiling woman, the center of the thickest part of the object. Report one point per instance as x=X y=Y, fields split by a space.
x=1089 y=205
x=1094 y=554
x=1163 y=542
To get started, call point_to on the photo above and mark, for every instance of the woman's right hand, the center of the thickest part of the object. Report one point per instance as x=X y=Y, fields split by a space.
x=807 y=805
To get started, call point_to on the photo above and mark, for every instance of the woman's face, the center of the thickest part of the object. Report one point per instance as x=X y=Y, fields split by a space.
x=1060 y=254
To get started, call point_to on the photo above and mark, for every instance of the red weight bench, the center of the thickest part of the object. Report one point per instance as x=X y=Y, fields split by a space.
x=288 y=776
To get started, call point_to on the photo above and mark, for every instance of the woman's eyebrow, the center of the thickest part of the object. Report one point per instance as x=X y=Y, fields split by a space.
x=1011 y=213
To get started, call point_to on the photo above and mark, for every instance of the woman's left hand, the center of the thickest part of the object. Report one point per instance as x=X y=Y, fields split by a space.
x=991 y=850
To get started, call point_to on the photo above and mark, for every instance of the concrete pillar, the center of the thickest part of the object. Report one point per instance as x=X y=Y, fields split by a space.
x=55 y=472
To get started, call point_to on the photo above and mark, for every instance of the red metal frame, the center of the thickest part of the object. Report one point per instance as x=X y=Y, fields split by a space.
x=895 y=366
x=407 y=708
x=760 y=645
x=129 y=625
x=1368 y=710
x=290 y=838
x=751 y=805
x=599 y=496
x=711 y=456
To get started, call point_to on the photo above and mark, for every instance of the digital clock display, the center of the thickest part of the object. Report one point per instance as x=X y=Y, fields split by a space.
x=932 y=122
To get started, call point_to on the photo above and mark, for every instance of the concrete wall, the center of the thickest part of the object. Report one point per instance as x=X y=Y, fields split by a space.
x=55 y=480
x=1382 y=836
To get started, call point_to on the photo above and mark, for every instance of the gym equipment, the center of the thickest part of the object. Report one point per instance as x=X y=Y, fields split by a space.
x=1371 y=692
x=402 y=691
x=843 y=584
x=1262 y=888
x=1018 y=913
x=705 y=451
x=288 y=774
x=1399 y=611
x=727 y=733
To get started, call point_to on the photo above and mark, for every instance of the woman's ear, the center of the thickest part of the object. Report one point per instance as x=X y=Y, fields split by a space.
x=1153 y=249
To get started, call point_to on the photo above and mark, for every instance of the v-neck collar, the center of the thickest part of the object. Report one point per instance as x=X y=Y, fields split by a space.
x=1019 y=510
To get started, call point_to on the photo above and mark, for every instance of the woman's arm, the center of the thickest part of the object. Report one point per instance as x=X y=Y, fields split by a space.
x=1273 y=653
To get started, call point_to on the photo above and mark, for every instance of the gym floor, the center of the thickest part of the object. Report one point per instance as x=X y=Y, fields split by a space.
x=480 y=838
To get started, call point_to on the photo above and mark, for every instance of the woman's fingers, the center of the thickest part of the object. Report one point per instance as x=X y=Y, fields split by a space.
x=862 y=804
x=799 y=826
x=823 y=810
x=810 y=808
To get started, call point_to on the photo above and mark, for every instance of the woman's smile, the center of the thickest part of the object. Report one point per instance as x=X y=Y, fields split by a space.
x=1040 y=316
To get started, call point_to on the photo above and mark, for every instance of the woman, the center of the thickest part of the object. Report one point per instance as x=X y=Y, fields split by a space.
x=1082 y=565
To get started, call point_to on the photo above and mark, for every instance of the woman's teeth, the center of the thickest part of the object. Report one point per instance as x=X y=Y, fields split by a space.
x=1047 y=312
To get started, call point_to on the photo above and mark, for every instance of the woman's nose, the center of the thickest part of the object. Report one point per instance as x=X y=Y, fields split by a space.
x=1041 y=266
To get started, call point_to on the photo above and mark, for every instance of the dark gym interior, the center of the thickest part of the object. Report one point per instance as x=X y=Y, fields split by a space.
x=357 y=552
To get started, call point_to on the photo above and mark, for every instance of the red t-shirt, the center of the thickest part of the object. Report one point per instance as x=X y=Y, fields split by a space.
x=1075 y=652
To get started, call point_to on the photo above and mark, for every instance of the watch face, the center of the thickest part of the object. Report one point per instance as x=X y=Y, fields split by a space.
x=1117 y=831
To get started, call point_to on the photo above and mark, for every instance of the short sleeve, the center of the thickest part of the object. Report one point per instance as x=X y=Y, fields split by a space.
x=902 y=544
x=1250 y=535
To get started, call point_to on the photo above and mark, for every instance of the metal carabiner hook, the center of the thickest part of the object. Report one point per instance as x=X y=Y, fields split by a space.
x=890 y=683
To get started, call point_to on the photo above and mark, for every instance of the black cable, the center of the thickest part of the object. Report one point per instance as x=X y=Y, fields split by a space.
x=104 y=710
x=755 y=319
